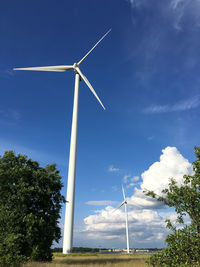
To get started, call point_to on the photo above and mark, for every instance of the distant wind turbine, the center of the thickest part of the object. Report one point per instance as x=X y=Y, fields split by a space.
x=124 y=202
x=69 y=210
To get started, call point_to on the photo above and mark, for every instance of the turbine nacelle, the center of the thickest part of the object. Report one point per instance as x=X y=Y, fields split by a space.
x=75 y=67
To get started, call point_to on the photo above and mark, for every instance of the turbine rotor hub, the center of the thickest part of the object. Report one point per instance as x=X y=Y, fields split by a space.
x=75 y=65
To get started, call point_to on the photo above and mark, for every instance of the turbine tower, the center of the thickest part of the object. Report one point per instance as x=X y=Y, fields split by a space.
x=69 y=210
x=124 y=202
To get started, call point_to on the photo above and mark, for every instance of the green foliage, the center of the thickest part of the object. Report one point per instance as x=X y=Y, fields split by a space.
x=183 y=249
x=30 y=206
x=183 y=243
x=10 y=250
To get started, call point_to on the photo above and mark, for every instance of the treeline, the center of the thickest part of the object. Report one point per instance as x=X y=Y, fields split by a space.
x=95 y=250
x=79 y=250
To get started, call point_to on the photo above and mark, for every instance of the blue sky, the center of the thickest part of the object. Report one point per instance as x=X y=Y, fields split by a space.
x=146 y=72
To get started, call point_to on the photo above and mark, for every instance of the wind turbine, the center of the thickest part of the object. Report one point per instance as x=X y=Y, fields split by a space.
x=124 y=202
x=69 y=210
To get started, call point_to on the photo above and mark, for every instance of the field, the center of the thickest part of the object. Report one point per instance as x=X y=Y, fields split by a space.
x=107 y=260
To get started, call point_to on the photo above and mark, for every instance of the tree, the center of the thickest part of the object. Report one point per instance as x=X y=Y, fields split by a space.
x=30 y=204
x=183 y=243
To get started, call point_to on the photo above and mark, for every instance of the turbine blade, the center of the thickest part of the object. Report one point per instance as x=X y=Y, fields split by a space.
x=93 y=47
x=48 y=68
x=120 y=205
x=89 y=85
x=123 y=193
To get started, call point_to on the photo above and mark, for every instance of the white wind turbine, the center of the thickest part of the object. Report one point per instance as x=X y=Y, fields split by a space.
x=124 y=202
x=69 y=210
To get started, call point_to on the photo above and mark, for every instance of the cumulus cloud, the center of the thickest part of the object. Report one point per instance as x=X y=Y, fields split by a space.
x=145 y=226
x=191 y=103
x=146 y=222
x=140 y=201
x=171 y=165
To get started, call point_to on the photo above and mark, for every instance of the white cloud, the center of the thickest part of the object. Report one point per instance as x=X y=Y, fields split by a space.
x=140 y=201
x=137 y=3
x=179 y=12
x=135 y=178
x=112 y=169
x=184 y=11
x=130 y=181
x=128 y=178
x=190 y=103
x=171 y=165
x=146 y=224
x=125 y=178
x=157 y=109
x=130 y=185
x=101 y=202
x=176 y=3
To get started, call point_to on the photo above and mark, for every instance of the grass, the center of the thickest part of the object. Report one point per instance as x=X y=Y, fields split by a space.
x=93 y=259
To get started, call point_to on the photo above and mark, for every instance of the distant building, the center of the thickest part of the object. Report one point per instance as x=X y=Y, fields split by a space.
x=142 y=250
x=132 y=250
